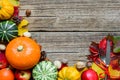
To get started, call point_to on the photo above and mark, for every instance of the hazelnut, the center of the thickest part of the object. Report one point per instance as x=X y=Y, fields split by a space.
x=2 y=47
x=27 y=34
x=28 y=12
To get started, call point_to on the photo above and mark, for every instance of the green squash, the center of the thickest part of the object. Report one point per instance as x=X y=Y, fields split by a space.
x=8 y=31
x=45 y=70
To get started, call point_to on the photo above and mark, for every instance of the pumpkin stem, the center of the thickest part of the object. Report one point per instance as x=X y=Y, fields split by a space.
x=20 y=48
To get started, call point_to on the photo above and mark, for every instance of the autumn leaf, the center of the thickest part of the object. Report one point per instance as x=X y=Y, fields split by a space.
x=22 y=27
x=99 y=71
x=116 y=41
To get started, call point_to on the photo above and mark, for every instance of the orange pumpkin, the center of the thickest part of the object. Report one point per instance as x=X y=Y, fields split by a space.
x=23 y=53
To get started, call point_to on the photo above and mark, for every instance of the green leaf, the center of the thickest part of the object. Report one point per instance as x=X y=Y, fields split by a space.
x=116 y=47
x=116 y=50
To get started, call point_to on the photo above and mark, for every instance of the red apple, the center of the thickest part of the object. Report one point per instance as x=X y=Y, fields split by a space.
x=3 y=60
x=22 y=75
x=89 y=74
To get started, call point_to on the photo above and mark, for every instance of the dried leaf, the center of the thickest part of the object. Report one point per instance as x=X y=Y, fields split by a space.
x=22 y=27
x=99 y=71
x=94 y=48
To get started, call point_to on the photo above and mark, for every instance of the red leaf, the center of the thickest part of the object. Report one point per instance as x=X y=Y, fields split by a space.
x=94 y=49
x=16 y=11
x=102 y=44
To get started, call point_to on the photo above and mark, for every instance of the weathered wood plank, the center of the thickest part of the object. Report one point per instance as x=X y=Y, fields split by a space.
x=71 y=57
x=67 y=1
x=69 y=42
x=70 y=45
x=72 y=15
x=75 y=23
x=72 y=6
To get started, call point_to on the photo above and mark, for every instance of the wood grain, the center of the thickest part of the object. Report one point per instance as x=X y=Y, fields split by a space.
x=69 y=42
x=65 y=28
x=73 y=46
x=72 y=15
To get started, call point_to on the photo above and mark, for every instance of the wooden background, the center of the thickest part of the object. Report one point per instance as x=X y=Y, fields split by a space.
x=65 y=28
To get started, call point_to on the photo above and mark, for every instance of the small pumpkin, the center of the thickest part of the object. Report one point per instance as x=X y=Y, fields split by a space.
x=6 y=9
x=23 y=53
x=8 y=31
x=45 y=70
x=69 y=73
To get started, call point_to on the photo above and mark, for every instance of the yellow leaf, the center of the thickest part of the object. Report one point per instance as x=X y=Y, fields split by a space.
x=23 y=24
x=21 y=31
x=22 y=27
x=98 y=70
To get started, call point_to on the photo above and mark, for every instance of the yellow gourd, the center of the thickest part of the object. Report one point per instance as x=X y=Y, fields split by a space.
x=6 y=9
x=69 y=73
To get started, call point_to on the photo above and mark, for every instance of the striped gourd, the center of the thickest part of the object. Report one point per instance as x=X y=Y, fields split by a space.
x=45 y=70
x=8 y=30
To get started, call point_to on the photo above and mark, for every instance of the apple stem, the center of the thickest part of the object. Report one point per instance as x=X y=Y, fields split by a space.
x=22 y=73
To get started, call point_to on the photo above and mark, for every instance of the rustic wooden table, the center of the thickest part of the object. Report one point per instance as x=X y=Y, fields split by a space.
x=65 y=28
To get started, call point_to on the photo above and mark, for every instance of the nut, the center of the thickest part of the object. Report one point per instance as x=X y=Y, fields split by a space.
x=27 y=34
x=2 y=47
x=58 y=64
x=28 y=12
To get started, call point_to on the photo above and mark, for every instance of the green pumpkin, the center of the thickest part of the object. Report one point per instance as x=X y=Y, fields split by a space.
x=45 y=70
x=8 y=31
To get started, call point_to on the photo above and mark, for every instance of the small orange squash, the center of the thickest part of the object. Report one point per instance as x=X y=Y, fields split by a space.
x=23 y=53
x=6 y=9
